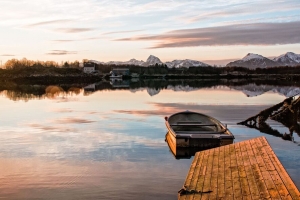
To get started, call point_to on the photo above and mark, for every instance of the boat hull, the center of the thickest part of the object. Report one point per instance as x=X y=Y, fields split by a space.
x=187 y=147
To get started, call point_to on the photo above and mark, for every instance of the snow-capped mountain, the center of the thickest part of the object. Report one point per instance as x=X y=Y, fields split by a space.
x=130 y=62
x=185 y=63
x=135 y=62
x=152 y=60
x=253 y=61
x=288 y=59
x=251 y=56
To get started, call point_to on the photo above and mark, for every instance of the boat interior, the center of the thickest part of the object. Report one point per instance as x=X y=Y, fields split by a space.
x=193 y=122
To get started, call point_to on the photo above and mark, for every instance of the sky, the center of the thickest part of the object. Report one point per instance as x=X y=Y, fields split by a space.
x=211 y=31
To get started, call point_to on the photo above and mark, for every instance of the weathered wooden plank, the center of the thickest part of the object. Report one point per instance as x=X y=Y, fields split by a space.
x=288 y=183
x=221 y=174
x=198 y=184
x=198 y=159
x=199 y=165
x=204 y=184
x=192 y=175
x=214 y=176
x=237 y=189
x=228 y=178
x=257 y=149
x=263 y=191
x=266 y=175
x=242 y=173
x=282 y=190
x=245 y=147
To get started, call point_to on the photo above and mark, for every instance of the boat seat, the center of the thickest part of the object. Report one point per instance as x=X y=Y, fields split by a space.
x=192 y=124
x=200 y=132
x=189 y=122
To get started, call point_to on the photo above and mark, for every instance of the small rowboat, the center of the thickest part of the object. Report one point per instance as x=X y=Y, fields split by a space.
x=192 y=129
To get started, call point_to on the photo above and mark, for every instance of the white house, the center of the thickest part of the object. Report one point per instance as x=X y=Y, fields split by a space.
x=89 y=67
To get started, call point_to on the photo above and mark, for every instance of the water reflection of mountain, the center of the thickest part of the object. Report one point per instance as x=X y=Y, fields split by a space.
x=152 y=86
x=252 y=89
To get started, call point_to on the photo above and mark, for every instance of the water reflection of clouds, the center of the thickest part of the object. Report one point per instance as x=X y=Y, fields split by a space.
x=48 y=179
x=71 y=120
x=62 y=110
x=63 y=142
x=52 y=128
x=222 y=112
x=65 y=99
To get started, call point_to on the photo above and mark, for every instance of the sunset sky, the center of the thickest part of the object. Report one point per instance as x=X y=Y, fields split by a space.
x=212 y=31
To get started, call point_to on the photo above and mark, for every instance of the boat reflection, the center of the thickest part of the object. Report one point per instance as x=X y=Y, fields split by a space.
x=187 y=151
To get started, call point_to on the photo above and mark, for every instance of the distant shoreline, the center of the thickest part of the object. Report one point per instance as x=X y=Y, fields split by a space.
x=89 y=78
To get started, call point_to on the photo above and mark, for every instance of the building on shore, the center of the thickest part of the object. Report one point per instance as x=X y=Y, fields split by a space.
x=89 y=67
x=120 y=71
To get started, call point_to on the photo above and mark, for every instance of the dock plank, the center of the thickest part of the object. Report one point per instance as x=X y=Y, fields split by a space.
x=203 y=185
x=221 y=175
x=249 y=170
x=263 y=191
x=257 y=149
x=228 y=177
x=244 y=170
x=195 y=175
x=237 y=188
x=283 y=192
x=214 y=177
x=242 y=173
x=288 y=183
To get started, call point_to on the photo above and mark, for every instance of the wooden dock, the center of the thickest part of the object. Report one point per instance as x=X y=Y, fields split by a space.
x=244 y=170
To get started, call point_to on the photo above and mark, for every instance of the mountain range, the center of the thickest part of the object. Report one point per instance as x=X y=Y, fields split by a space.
x=153 y=60
x=251 y=61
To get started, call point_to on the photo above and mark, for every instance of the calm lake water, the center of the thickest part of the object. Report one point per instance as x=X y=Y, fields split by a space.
x=109 y=142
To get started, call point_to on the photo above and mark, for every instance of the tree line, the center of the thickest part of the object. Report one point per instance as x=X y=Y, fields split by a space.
x=25 y=63
x=29 y=67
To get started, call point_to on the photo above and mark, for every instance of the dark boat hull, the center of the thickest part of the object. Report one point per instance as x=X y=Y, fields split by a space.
x=187 y=147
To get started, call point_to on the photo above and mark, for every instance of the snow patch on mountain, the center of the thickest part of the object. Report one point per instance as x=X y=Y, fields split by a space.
x=251 y=56
x=130 y=62
x=253 y=61
x=288 y=58
x=185 y=63
x=153 y=60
